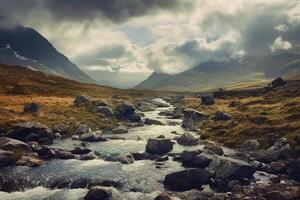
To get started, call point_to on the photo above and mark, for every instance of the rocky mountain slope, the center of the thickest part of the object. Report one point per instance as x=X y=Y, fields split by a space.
x=26 y=47
x=215 y=74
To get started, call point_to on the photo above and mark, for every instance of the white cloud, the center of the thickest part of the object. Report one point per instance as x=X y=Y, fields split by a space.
x=281 y=28
x=280 y=44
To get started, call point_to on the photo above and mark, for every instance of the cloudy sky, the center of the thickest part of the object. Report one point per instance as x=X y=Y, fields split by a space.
x=137 y=37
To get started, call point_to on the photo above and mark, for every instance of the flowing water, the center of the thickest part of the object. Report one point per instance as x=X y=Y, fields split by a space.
x=140 y=180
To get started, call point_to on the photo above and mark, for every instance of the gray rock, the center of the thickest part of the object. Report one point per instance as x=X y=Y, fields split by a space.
x=148 y=121
x=146 y=107
x=251 y=145
x=163 y=196
x=105 y=110
x=187 y=139
x=230 y=169
x=193 y=119
x=126 y=111
x=80 y=150
x=45 y=152
x=207 y=100
x=120 y=130
x=98 y=193
x=159 y=146
x=186 y=179
x=92 y=137
x=6 y=158
x=214 y=148
x=22 y=130
x=9 y=144
x=188 y=157
x=31 y=108
x=159 y=103
x=222 y=116
x=203 y=160
x=81 y=100
x=126 y=159
x=64 y=155
x=82 y=129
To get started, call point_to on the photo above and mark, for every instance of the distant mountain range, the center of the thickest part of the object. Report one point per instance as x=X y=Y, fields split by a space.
x=26 y=47
x=217 y=74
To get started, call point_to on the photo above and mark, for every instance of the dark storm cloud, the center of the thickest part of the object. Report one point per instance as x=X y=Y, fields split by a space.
x=115 y=10
x=14 y=11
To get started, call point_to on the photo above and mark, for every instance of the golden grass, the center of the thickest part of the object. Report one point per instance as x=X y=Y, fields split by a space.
x=276 y=113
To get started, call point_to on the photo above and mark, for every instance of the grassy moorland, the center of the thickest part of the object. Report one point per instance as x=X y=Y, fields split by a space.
x=256 y=114
x=55 y=95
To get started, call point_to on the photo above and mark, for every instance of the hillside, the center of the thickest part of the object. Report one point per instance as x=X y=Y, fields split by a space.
x=29 y=48
x=215 y=74
x=20 y=85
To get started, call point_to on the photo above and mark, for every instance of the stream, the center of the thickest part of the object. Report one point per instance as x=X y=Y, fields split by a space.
x=141 y=180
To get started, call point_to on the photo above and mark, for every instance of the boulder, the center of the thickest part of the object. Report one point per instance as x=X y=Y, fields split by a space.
x=46 y=152
x=63 y=154
x=193 y=119
x=187 y=139
x=159 y=146
x=81 y=100
x=31 y=108
x=159 y=102
x=186 y=180
x=146 y=107
x=126 y=111
x=7 y=158
x=82 y=129
x=188 y=157
x=222 y=116
x=230 y=169
x=214 y=148
x=278 y=82
x=105 y=110
x=22 y=130
x=126 y=159
x=92 y=137
x=98 y=193
x=148 y=121
x=203 y=160
x=163 y=196
x=89 y=156
x=120 y=130
x=80 y=150
x=207 y=100
x=9 y=144
x=251 y=145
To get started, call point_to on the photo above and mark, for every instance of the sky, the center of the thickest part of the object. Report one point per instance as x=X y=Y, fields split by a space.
x=138 y=37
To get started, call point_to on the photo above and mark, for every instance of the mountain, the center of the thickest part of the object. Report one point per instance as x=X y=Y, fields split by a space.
x=25 y=46
x=215 y=74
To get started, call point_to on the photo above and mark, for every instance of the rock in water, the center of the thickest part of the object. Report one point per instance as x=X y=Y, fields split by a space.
x=193 y=119
x=214 y=148
x=208 y=100
x=9 y=144
x=186 y=179
x=126 y=111
x=120 y=130
x=23 y=130
x=187 y=139
x=81 y=100
x=231 y=169
x=146 y=107
x=159 y=103
x=98 y=193
x=159 y=146
x=148 y=121
x=92 y=137
x=31 y=108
